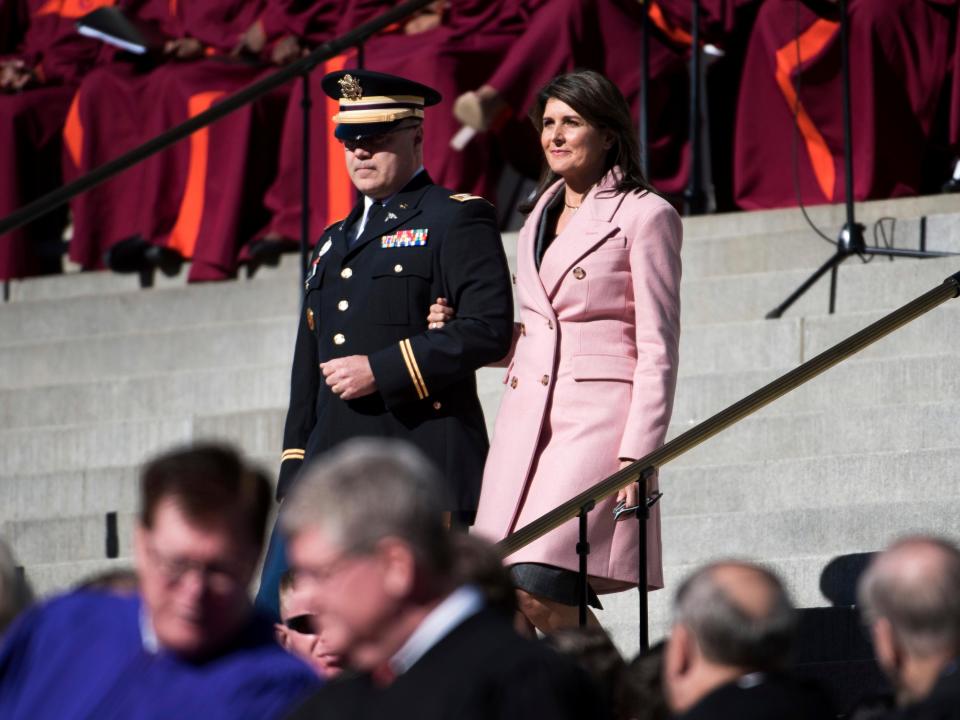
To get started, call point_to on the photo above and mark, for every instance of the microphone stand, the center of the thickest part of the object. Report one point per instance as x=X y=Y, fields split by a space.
x=694 y=195
x=850 y=242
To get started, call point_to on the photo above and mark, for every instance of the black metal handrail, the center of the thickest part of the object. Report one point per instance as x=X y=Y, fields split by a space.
x=247 y=95
x=950 y=288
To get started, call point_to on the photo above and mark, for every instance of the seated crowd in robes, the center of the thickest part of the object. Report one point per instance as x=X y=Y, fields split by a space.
x=230 y=194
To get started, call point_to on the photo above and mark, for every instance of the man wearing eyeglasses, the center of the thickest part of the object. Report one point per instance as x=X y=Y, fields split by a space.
x=366 y=363
x=190 y=645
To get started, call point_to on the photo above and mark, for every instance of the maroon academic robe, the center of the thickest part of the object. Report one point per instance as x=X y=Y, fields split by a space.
x=451 y=58
x=30 y=125
x=12 y=21
x=789 y=130
x=331 y=193
x=201 y=197
x=604 y=35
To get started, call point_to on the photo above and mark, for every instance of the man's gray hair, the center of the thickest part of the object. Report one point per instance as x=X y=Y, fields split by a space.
x=920 y=596
x=727 y=633
x=368 y=489
x=15 y=593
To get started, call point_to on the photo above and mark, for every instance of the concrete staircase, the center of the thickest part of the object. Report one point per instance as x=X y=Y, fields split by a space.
x=96 y=375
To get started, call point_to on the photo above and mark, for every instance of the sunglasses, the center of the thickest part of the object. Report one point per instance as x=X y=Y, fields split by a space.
x=302 y=624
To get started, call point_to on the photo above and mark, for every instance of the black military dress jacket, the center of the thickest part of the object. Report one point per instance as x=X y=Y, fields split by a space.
x=372 y=298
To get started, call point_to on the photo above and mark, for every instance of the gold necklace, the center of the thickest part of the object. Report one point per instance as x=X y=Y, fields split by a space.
x=582 y=198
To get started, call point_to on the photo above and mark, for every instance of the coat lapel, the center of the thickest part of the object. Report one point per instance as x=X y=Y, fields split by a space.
x=592 y=224
x=526 y=268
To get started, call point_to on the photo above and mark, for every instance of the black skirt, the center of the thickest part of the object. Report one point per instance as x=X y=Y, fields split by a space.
x=551 y=582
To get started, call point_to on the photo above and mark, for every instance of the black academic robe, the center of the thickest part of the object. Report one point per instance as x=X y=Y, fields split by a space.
x=943 y=702
x=762 y=697
x=371 y=297
x=482 y=670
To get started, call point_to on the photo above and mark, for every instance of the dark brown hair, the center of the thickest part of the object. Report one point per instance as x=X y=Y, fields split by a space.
x=208 y=483
x=601 y=104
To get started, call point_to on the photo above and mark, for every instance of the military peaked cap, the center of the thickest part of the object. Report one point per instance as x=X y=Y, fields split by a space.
x=372 y=103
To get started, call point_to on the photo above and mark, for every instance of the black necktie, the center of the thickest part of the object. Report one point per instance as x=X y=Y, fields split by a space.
x=376 y=207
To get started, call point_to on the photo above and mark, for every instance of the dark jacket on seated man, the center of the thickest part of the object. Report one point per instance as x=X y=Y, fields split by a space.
x=943 y=702
x=481 y=670
x=762 y=696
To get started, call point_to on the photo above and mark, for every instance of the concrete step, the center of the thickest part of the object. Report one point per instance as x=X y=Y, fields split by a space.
x=765 y=345
x=87 y=491
x=839 y=431
x=826 y=217
x=860 y=288
x=853 y=383
x=147 y=311
x=30 y=451
x=236 y=344
x=52 y=578
x=792 y=249
x=66 y=539
x=801 y=484
x=168 y=394
x=764 y=436
x=44 y=450
x=79 y=284
x=732 y=347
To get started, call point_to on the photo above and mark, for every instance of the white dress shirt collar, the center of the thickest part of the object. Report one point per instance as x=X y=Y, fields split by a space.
x=462 y=603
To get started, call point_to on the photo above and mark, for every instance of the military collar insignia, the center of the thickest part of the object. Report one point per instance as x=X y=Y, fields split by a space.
x=390 y=216
x=350 y=88
x=405 y=238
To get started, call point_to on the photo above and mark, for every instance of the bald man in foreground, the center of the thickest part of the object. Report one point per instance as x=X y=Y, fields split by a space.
x=732 y=633
x=910 y=598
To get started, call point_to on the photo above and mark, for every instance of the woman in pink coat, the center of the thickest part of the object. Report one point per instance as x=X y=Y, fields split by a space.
x=590 y=381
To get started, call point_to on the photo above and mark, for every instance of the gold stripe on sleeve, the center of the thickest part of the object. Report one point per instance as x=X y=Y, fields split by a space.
x=416 y=369
x=407 y=353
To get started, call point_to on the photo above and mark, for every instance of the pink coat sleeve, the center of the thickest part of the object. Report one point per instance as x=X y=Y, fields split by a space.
x=657 y=235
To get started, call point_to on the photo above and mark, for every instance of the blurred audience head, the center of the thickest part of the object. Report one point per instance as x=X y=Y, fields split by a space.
x=476 y=562
x=641 y=693
x=730 y=618
x=15 y=594
x=910 y=598
x=202 y=520
x=367 y=541
x=123 y=581
x=592 y=649
x=297 y=631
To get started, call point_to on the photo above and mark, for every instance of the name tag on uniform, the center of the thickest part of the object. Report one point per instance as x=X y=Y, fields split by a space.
x=405 y=238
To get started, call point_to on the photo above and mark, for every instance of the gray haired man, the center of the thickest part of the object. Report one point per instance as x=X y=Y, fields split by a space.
x=910 y=598
x=371 y=554
x=732 y=634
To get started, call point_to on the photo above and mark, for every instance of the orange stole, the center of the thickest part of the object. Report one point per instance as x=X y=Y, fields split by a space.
x=789 y=58
x=72 y=8
x=187 y=228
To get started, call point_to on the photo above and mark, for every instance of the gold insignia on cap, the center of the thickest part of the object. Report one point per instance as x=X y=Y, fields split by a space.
x=350 y=87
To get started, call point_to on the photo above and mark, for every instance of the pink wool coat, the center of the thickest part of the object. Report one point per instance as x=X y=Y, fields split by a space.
x=591 y=378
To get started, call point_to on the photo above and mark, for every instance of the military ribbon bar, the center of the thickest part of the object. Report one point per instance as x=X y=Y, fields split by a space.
x=405 y=238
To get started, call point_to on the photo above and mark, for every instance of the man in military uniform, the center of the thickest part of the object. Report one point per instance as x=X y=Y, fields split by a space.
x=365 y=361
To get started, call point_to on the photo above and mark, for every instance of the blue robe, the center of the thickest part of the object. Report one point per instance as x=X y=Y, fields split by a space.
x=82 y=656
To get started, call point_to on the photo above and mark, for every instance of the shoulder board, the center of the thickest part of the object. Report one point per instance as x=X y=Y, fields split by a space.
x=464 y=197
